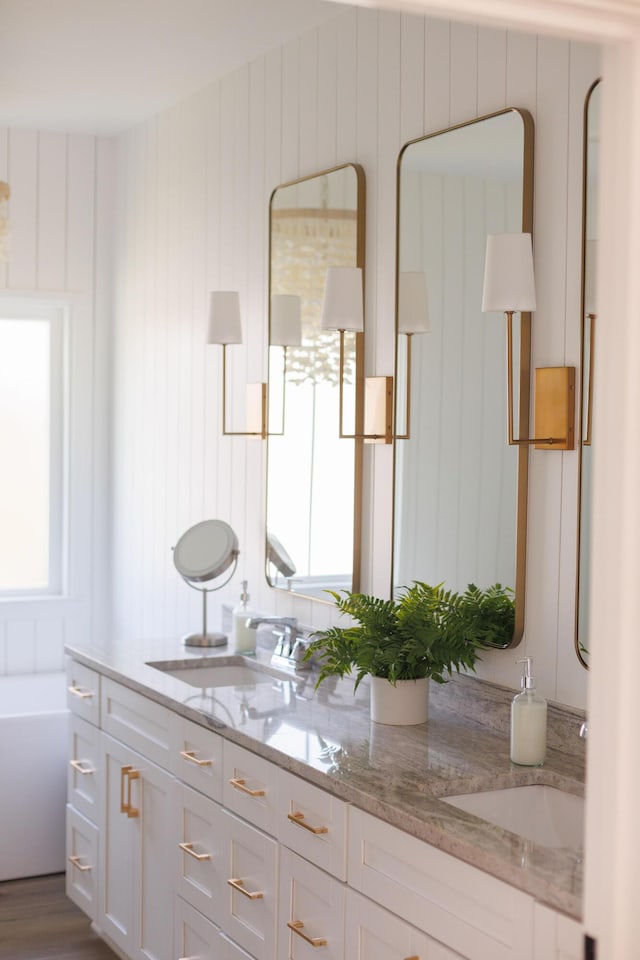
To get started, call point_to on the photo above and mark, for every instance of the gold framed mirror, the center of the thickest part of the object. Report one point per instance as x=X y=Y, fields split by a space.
x=460 y=491
x=589 y=319
x=314 y=477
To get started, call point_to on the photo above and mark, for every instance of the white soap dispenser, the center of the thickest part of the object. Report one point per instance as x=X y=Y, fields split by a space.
x=244 y=637
x=528 y=722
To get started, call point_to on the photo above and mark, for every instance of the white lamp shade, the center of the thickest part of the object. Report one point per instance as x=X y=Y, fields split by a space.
x=413 y=308
x=224 y=317
x=508 y=273
x=342 y=308
x=286 y=323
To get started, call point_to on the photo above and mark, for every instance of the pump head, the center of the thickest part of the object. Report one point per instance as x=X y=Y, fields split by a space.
x=526 y=680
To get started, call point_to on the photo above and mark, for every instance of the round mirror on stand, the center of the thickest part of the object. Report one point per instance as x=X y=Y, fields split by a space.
x=203 y=553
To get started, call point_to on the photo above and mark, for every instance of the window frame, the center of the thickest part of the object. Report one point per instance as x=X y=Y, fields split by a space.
x=56 y=313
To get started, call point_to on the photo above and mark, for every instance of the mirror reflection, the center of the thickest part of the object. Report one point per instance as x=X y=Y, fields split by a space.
x=460 y=489
x=589 y=323
x=313 y=499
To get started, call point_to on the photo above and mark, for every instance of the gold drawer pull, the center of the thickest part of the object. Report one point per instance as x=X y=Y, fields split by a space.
x=78 y=765
x=128 y=773
x=299 y=819
x=190 y=755
x=188 y=848
x=298 y=927
x=239 y=886
x=123 y=804
x=79 y=692
x=75 y=860
x=241 y=785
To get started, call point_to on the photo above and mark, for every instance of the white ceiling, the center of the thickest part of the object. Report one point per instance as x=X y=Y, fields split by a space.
x=101 y=66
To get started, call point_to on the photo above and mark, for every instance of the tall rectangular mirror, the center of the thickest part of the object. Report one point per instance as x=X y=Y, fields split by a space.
x=460 y=489
x=313 y=476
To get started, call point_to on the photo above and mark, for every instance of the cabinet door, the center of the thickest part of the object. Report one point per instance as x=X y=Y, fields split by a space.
x=117 y=846
x=311 y=911
x=372 y=933
x=199 y=848
x=196 y=938
x=251 y=861
x=82 y=856
x=136 y=902
x=83 y=692
x=83 y=769
x=556 y=937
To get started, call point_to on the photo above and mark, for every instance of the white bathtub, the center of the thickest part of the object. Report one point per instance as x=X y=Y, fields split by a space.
x=33 y=748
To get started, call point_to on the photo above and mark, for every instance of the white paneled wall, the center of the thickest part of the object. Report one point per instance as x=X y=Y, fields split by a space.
x=193 y=198
x=60 y=212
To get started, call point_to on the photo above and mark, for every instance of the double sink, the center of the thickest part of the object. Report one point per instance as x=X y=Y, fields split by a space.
x=542 y=814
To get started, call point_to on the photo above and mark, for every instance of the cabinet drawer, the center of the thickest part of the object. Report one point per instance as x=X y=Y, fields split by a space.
x=556 y=937
x=313 y=823
x=200 y=853
x=371 y=931
x=82 y=863
x=311 y=911
x=83 y=770
x=83 y=692
x=471 y=912
x=197 y=756
x=249 y=786
x=251 y=861
x=194 y=935
x=231 y=951
x=137 y=721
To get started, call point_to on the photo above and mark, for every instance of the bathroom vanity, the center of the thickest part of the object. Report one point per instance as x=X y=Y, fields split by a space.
x=252 y=816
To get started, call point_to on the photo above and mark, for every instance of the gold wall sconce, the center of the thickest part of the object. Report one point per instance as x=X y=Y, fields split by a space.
x=285 y=330
x=5 y=193
x=413 y=318
x=343 y=310
x=509 y=287
x=591 y=312
x=225 y=328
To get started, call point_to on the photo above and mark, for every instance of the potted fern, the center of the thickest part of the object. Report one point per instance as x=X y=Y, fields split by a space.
x=424 y=633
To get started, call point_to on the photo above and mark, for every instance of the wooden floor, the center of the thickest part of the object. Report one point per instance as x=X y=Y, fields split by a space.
x=38 y=922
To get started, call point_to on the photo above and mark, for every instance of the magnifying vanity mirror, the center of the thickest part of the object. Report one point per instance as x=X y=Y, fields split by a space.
x=313 y=476
x=589 y=323
x=460 y=490
x=203 y=553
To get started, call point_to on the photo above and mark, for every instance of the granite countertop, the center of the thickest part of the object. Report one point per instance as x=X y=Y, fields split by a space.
x=396 y=773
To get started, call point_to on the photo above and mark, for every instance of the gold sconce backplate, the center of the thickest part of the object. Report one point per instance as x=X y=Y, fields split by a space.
x=555 y=401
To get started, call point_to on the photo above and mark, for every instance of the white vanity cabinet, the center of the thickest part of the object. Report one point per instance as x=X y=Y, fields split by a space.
x=557 y=937
x=311 y=910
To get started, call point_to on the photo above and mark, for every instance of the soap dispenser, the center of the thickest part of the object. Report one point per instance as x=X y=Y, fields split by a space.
x=244 y=637
x=528 y=721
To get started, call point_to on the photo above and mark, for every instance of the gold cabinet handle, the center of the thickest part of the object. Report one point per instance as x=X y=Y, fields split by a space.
x=79 y=766
x=190 y=755
x=298 y=818
x=75 y=860
x=79 y=692
x=128 y=773
x=239 y=886
x=298 y=927
x=241 y=785
x=188 y=848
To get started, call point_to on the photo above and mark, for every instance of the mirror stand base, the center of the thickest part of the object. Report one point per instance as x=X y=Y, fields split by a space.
x=205 y=640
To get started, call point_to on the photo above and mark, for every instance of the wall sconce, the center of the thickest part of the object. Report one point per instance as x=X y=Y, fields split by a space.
x=509 y=286
x=5 y=226
x=413 y=318
x=285 y=330
x=343 y=310
x=225 y=328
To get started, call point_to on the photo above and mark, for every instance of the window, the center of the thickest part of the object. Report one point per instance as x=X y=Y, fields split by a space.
x=31 y=445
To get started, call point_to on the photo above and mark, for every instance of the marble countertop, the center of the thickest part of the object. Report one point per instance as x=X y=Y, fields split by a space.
x=398 y=774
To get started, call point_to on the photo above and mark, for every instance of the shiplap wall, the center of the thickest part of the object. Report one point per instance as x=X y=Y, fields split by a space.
x=61 y=212
x=192 y=208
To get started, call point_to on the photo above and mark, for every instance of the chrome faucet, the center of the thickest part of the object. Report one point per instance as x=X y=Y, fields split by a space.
x=287 y=637
x=584 y=730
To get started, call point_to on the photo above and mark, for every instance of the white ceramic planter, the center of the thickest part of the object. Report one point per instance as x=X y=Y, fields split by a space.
x=401 y=705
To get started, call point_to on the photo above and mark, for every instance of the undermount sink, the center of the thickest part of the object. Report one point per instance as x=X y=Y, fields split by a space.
x=545 y=815
x=220 y=672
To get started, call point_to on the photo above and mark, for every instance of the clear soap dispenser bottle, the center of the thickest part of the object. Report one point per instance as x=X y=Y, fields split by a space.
x=244 y=637
x=528 y=721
